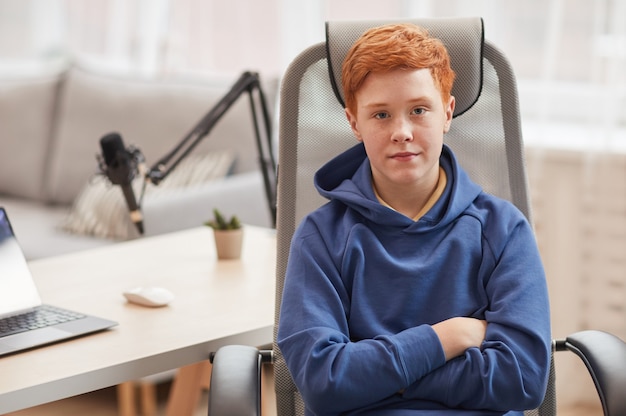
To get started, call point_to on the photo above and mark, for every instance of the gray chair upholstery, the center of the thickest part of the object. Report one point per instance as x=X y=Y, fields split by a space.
x=485 y=136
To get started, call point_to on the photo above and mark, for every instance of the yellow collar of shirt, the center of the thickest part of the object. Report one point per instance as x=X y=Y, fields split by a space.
x=441 y=185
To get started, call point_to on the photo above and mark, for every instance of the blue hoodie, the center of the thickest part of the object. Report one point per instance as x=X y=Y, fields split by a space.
x=365 y=283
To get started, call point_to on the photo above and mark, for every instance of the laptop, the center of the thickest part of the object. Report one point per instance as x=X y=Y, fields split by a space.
x=25 y=322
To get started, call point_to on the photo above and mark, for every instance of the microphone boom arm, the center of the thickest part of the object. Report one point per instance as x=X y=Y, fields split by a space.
x=248 y=82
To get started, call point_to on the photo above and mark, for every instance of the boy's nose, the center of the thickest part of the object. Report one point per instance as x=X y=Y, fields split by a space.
x=402 y=131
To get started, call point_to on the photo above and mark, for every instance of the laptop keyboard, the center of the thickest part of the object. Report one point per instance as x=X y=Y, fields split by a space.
x=40 y=317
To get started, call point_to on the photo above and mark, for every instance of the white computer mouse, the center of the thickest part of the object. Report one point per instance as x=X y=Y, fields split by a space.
x=149 y=296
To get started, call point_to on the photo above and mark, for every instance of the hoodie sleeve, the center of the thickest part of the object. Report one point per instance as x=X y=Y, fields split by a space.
x=510 y=370
x=332 y=373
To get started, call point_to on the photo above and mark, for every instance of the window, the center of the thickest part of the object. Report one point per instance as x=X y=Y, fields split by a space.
x=569 y=56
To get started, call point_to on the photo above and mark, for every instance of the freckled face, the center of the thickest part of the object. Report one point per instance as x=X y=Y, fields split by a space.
x=401 y=120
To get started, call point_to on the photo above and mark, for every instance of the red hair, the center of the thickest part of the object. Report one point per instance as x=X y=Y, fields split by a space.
x=395 y=46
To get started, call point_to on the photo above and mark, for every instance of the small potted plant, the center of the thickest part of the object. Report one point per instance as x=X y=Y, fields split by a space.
x=228 y=235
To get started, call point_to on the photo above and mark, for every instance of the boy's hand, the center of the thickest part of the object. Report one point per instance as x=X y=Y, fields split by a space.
x=459 y=333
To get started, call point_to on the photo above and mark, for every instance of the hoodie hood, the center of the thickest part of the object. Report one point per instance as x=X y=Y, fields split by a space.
x=347 y=179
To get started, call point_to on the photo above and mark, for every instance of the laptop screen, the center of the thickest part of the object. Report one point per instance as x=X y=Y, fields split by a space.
x=17 y=288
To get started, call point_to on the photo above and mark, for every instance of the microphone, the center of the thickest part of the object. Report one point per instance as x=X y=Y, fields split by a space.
x=120 y=165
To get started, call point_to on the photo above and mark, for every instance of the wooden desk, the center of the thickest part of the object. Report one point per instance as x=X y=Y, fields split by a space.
x=217 y=303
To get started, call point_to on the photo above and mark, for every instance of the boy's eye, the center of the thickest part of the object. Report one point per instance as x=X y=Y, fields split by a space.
x=381 y=115
x=418 y=111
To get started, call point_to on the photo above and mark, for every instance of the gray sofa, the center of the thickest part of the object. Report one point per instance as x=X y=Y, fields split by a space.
x=50 y=127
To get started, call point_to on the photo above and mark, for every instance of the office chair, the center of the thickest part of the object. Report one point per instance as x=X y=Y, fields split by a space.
x=486 y=138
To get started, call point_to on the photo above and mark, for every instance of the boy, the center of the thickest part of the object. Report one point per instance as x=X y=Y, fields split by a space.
x=411 y=291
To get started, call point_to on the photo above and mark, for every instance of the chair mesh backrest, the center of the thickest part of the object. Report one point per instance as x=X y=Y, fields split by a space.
x=485 y=133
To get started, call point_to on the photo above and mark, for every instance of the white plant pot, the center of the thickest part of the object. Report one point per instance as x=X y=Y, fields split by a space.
x=228 y=243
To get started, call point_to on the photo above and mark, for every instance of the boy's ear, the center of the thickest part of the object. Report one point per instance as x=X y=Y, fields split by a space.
x=353 y=124
x=449 y=112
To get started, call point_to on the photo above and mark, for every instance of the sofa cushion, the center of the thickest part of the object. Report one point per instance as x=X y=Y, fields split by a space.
x=26 y=122
x=152 y=115
x=101 y=211
x=36 y=228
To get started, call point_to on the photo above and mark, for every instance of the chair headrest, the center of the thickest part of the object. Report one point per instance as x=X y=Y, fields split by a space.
x=463 y=37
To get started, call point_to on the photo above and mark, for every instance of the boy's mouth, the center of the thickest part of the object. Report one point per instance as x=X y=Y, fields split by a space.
x=403 y=156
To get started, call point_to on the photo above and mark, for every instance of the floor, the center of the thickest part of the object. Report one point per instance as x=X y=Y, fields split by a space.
x=103 y=403
x=100 y=403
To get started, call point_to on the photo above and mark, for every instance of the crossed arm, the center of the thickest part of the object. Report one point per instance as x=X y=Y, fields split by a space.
x=458 y=334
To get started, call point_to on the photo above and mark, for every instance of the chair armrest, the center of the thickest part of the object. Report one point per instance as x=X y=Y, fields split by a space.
x=235 y=382
x=604 y=356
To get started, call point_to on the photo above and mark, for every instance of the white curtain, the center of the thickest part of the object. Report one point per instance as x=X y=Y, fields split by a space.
x=569 y=56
